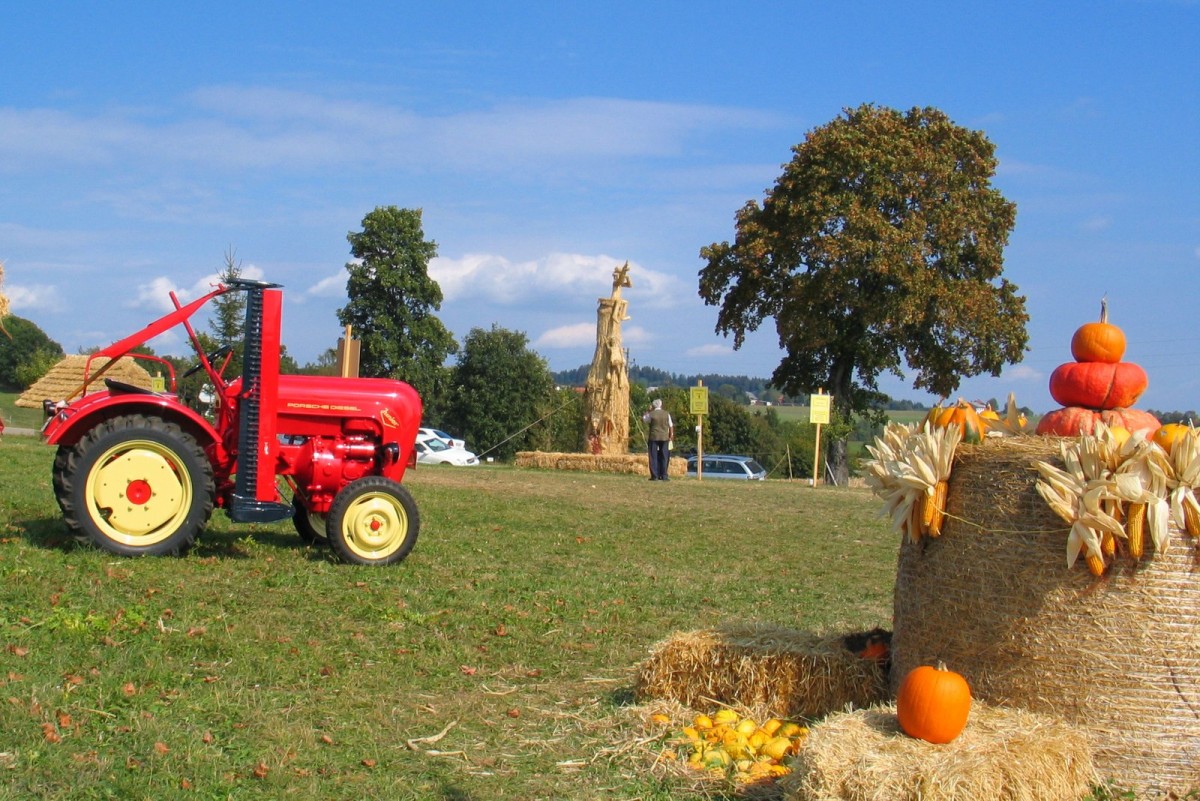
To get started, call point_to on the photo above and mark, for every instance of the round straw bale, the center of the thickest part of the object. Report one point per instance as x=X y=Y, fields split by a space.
x=1002 y=755
x=993 y=598
x=793 y=673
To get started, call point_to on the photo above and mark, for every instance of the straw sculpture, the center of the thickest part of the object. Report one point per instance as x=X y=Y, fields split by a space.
x=1002 y=755
x=992 y=597
x=793 y=673
x=629 y=463
x=66 y=377
x=5 y=307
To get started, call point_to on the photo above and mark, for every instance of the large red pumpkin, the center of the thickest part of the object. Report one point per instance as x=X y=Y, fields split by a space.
x=1098 y=385
x=1075 y=420
x=933 y=703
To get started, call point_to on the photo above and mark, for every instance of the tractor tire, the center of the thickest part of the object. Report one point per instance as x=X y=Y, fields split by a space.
x=136 y=486
x=61 y=457
x=310 y=527
x=373 y=521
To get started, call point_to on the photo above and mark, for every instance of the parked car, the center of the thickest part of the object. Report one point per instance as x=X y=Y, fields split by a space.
x=719 y=465
x=432 y=450
x=443 y=436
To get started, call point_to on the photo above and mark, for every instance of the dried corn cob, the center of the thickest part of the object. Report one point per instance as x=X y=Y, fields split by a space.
x=1135 y=530
x=1191 y=518
x=937 y=504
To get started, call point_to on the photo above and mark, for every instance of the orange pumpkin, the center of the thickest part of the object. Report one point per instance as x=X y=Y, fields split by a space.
x=933 y=703
x=1098 y=385
x=1075 y=420
x=961 y=414
x=1098 y=342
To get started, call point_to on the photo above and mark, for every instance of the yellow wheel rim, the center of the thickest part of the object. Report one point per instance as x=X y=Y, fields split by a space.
x=374 y=526
x=139 y=493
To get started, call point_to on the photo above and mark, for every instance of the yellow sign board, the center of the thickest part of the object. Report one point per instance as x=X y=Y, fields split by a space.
x=699 y=400
x=818 y=409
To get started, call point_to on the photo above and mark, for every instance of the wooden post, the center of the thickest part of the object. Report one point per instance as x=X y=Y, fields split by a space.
x=347 y=354
x=698 y=406
x=818 y=413
x=817 y=458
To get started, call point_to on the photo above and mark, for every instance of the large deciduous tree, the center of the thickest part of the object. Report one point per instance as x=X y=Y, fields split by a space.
x=501 y=390
x=880 y=248
x=392 y=301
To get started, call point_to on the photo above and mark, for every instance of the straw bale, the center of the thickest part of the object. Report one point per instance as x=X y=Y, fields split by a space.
x=992 y=597
x=1003 y=755
x=792 y=673
x=628 y=463
x=65 y=377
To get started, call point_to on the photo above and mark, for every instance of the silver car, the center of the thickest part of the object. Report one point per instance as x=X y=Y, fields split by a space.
x=724 y=466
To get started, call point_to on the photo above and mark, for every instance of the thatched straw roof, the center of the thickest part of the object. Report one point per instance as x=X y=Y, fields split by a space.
x=66 y=377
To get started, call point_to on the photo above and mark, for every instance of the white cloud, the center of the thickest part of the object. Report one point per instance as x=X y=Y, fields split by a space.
x=713 y=349
x=1022 y=372
x=580 y=335
x=155 y=295
x=332 y=287
x=34 y=297
x=568 y=336
x=252 y=127
x=499 y=280
x=1096 y=224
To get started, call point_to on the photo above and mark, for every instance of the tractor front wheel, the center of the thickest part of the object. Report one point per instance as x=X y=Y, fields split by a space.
x=136 y=486
x=373 y=521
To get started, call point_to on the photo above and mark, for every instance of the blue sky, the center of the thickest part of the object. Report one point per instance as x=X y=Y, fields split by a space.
x=549 y=142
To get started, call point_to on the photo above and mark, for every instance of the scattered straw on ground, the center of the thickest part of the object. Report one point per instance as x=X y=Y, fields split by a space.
x=794 y=674
x=628 y=463
x=1002 y=755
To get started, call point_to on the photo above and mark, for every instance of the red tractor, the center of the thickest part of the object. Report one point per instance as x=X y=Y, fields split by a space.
x=138 y=472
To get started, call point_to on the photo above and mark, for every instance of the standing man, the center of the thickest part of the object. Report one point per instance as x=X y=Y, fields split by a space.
x=661 y=432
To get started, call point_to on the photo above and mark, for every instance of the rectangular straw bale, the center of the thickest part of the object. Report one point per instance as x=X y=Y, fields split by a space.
x=1003 y=755
x=625 y=463
x=794 y=673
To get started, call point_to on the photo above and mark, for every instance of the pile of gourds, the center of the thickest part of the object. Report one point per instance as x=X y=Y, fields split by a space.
x=1097 y=386
x=737 y=747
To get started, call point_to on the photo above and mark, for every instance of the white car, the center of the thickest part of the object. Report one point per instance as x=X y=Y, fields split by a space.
x=431 y=450
x=425 y=433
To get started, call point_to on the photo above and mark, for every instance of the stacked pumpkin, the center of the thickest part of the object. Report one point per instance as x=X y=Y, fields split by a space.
x=1097 y=385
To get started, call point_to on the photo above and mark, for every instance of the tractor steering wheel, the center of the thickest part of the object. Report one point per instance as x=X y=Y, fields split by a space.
x=211 y=357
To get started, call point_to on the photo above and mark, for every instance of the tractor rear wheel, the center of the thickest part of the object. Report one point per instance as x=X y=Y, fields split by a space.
x=310 y=527
x=136 y=486
x=373 y=521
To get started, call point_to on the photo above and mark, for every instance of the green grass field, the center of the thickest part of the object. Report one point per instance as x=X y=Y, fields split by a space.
x=256 y=667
